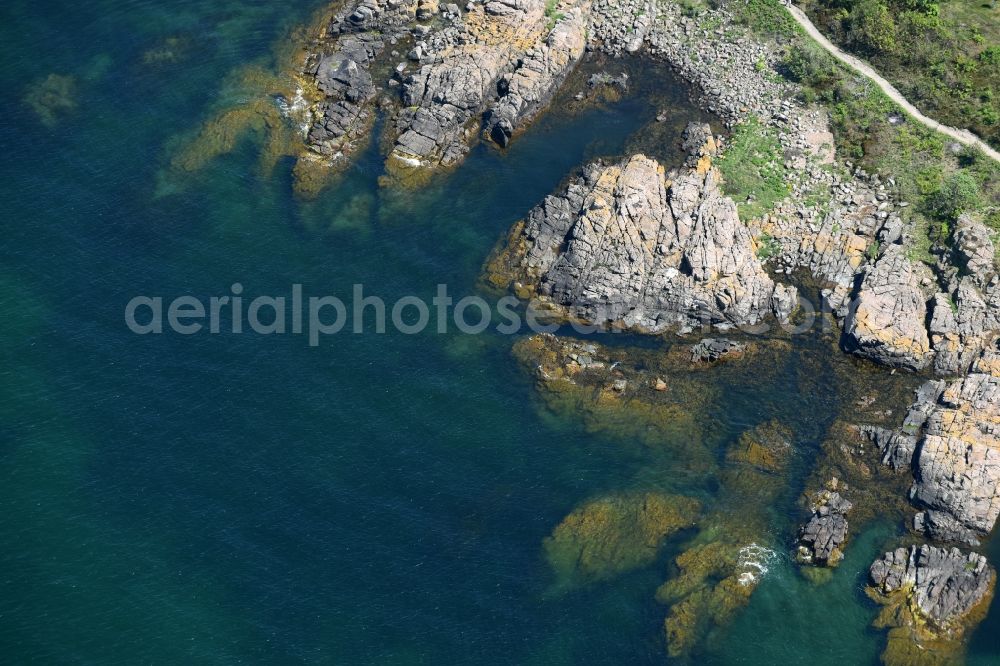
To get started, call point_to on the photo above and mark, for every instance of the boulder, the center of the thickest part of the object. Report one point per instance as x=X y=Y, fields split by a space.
x=821 y=540
x=711 y=350
x=627 y=245
x=974 y=250
x=886 y=322
x=944 y=585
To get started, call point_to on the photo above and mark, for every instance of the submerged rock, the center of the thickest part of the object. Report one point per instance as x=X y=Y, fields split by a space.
x=711 y=350
x=615 y=534
x=718 y=572
x=932 y=598
x=614 y=393
x=715 y=580
x=762 y=450
x=52 y=98
x=170 y=50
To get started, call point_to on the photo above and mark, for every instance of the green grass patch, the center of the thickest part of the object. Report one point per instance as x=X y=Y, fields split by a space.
x=767 y=247
x=764 y=17
x=753 y=169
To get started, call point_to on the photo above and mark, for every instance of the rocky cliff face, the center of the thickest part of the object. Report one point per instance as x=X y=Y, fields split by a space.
x=886 y=321
x=629 y=245
x=950 y=441
x=457 y=80
x=525 y=91
x=502 y=58
x=966 y=317
x=958 y=465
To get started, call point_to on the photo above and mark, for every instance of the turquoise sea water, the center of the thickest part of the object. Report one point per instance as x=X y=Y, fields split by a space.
x=380 y=499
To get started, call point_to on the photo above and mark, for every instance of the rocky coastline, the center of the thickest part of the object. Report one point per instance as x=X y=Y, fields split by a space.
x=634 y=244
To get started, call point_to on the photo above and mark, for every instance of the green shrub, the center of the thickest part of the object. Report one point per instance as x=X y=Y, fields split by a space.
x=872 y=27
x=767 y=247
x=958 y=193
x=991 y=55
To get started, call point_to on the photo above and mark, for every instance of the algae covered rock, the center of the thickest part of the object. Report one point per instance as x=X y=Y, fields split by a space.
x=614 y=534
x=715 y=579
x=752 y=475
x=716 y=575
x=261 y=114
x=764 y=449
x=932 y=597
x=621 y=394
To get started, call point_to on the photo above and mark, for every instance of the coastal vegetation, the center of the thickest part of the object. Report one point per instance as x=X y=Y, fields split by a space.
x=937 y=179
x=753 y=167
x=944 y=56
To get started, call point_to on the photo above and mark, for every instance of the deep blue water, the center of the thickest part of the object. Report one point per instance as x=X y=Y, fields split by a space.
x=378 y=499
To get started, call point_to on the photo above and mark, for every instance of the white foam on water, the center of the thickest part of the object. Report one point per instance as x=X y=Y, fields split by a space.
x=297 y=110
x=754 y=560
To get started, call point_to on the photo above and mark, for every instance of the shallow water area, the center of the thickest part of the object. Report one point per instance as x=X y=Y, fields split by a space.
x=381 y=498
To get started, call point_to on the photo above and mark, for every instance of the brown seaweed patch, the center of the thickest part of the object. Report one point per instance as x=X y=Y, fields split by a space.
x=852 y=464
x=255 y=94
x=222 y=133
x=716 y=578
x=752 y=475
x=311 y=175
x=765 y=448
x=355 y=216
x=723 y=565
x=615 y=534
x=256 y=113
x=502 y=270
x=620 y=394
x=52 y=98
